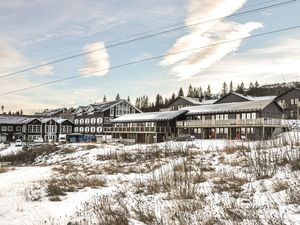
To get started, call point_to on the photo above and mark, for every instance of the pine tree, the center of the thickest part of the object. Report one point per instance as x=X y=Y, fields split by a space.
x=104 y=98
x=128 y=99
x=190 y=91
x=180 y=92
x=158 y=101
x=208 y=93
x=173 y=97
x=118 y=97
x=224 y=89
x=241 y=88
x=196 y=93
x=201 y=96
x=230 y=87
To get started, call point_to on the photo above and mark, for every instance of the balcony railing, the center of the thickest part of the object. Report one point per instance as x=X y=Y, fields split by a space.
x=232 y=123
x=139 y=129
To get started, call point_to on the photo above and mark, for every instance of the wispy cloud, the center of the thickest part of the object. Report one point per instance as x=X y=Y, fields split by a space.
x=12 y=60
x=96 y=61
x=191 y=63
x=276 y=63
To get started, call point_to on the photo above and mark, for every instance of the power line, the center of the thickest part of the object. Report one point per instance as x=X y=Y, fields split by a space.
x=147 y=36
x=151 y=58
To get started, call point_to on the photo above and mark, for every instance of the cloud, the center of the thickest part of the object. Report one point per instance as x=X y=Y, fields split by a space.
x=202 y=37
x=276 y=63
x=12 y=60
x=96 y=61
x=43 y=70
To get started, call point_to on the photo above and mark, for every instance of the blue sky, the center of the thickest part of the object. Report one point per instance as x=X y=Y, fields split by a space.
x=35 y=31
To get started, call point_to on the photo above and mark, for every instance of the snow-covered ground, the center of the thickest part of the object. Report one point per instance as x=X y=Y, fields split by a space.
x=154 y=183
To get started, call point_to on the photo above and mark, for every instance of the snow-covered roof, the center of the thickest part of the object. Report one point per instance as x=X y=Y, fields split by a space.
x=228 y=107
x=28 y=120
x=247 y=97
x=149 y=116
x=11 y=120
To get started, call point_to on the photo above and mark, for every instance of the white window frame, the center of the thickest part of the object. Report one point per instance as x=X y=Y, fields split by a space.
x=3 y=128
x=76 y=121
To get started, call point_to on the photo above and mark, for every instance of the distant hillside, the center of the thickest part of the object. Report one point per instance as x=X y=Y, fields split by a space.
x=272 y=89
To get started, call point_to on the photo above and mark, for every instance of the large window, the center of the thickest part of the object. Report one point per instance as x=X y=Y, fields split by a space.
x=81 y=121
x=99 y=129
x=35 y=128
x=86 y=129
x=76 y=129
x=4 y=128
x=93 y=120
x=18 y=128
x=99 y=120
x=10 y=128
x=76 y=121
x=87 y=121
x=81 y=129
x=93 y=129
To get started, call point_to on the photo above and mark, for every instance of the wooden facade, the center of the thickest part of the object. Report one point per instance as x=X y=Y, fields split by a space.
x=151 y=127
x=290 y=102
x=239 y=120
x=93 y=119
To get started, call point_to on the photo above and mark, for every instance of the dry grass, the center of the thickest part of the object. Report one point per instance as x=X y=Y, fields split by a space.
x=3 y=169
x=280 y=185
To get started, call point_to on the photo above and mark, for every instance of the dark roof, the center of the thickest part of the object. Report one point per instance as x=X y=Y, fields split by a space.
x=246 y=97
x=298 y=89
x=228 y=107
x=12 y=119
x=191 y=100
x=102 y=106
x=149 y=116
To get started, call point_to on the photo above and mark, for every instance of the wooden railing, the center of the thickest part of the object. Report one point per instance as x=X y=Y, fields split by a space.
x=232 y=123
x=139 y=129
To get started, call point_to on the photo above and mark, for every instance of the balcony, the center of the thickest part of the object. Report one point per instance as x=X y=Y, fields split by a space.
x=267 y=122
x=138 y=129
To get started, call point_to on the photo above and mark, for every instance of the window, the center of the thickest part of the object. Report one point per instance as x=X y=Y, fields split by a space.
x=81 y=129
x=10 y=128
x=292 y=101
x=76 y=121
x=86 y=129
x=112 y=111
x=87 y=121
x=76 y=129
x=99 y=129
x=253 y=115
x=248 y=115
x=93 y=129
x=217 y=117
x=81 y=121
x=99 y=120
x=296 y=101
x=93 y=121
x=243 y=116
x=3 y=128
x=18 y=128
x=225 y=116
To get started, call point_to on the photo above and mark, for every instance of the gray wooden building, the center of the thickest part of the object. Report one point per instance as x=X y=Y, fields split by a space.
x=290 y=102
x=152 y=127
x=94 y=118
x=237 y=120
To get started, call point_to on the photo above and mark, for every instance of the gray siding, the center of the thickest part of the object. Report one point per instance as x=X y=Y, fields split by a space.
x=231 y=98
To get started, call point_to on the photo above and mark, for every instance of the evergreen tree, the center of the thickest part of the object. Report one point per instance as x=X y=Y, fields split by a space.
x=230 y=87
x=224 y=89
x=208 y=94
x=128 y=99
x=118 y=97
x=196 y=93
x=2 y=108
x=241 y=88
x=173 y=97
x=201 y=96
x=104 y=98
x=190 y=91
x=158 y=101
x=180 y=92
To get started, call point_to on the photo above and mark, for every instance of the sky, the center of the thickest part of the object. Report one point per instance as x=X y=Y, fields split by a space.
x=36 y=32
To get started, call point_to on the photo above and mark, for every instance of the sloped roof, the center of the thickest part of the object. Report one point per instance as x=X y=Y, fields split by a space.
x=28 y=120
x=149 y=116
x=228 y=107
x=11 y=120
x=102 y=106
x=298 y=89
x=246 y=97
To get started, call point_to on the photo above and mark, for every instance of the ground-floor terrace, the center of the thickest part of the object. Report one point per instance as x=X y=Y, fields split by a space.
x=252 y=129
x=141 y=134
